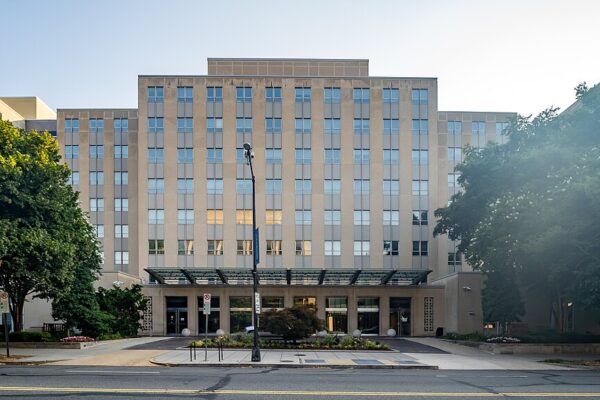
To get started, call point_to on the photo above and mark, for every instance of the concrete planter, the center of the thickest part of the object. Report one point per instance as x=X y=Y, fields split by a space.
x=541 y=348
x=49 y=345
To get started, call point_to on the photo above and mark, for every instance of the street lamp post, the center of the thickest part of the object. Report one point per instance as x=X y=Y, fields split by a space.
x=256 y=299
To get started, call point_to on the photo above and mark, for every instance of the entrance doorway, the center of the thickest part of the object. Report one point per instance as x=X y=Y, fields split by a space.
x=400 y=318
x=214 y=319
x=177 y=315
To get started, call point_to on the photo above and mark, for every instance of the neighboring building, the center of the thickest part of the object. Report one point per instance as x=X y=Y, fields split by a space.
x=28 y=113
x=349 y=167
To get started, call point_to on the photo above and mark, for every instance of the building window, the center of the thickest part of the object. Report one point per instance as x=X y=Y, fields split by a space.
x=361 y=186
x=420 y=188
x=420 y=157
x=360 y=96
x=391 y=217
x=185 y=247
x=243 y=186
x=332 y=95
x=97 y=178
x=391 y=96
x=419 y=217
x=390 y=248
x=501 y=134
x=303 y=186
x=121 y=257
x=420 y=127
x=273 y=125
x=454 y=259
x=391 y=187
x=185 y=185
x=121 y=151
x=303 y=247
x=156 y=155
x=331 y=126
x=273 y=247
x=243 y=217
x=155 y=94
x=214 y=217
x=303 y=156
x=121 y=125
x=243 y=125
x=214 y=94
x=214 y=186
x=273 y=95
x=273 y=186
x=478 y=132
x=273 y=156
x=214 y=125
x=361 y=156
x=71 y=125
x=391 y=156
x=185 y=124
x=240 y=156
x=362 y=126
x=333 y=248
x=332 y=186
x=73 y=178
x=121 y=204
x=362 y=217
x=453 y=180
x=362 y=248
x=454 y=127
x=419 y=97
x=420 y=248
x=391 y=126
x=303 y=125
x=454 y=154
x=97 y=204
x=185 y=94
x=332 y=156
x=214 y=156
x=156 y=125
x=99 y=231
x=243 y=94
x=303 y=217
x=214 y=247
x=96 y=151
x=333 y=217
x=156 y=246
x=72 y=151
x=273 y=217
x=156 y=216
x=156 y=185
x=96 y=125
x=185 y=155
x=185 y=217
x=244 y=247
x=121 y=231
x=302 y=94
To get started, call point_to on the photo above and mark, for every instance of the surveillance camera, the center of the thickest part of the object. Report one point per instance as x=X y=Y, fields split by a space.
x=466 y=288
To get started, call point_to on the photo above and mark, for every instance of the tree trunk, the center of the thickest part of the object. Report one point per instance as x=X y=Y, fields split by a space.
x=16 y=311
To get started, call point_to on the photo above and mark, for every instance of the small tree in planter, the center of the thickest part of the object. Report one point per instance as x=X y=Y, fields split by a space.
x=292 y=324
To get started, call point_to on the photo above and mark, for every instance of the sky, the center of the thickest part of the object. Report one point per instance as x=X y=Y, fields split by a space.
x=488 y=55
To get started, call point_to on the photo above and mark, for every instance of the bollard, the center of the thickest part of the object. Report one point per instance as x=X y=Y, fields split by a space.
x=190 y=346
x=195 y=351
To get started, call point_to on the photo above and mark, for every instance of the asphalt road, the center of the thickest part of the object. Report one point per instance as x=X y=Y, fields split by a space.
x=92 y=383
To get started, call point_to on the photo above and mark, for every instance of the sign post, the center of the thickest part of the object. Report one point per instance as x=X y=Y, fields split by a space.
x=206 y=312
x=4 y=308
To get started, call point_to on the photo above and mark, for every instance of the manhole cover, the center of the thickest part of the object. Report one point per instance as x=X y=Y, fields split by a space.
x=300 y=355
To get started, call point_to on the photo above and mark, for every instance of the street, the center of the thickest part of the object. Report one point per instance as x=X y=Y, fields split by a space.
x=65 y=382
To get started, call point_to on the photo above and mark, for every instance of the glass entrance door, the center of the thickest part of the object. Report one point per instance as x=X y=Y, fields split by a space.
x=177 y=315
x=400 y=318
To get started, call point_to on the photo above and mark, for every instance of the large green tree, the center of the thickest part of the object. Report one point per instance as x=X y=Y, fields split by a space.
x=42 y=228
x=529 y=209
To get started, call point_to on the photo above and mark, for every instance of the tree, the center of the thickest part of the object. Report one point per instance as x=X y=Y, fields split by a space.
x=528 y=210
x=41 y=224
x=124 y=308
x=294 y=323
x=580 y=90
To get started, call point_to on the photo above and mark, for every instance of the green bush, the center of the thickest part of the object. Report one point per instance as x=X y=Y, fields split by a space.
x=292 y=324
x=554 y=337
x=473 y=337
x=111 y=336
x=25 y=336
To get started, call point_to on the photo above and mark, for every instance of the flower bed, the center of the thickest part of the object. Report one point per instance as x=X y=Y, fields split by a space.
x=503 y=339
x=77 y=339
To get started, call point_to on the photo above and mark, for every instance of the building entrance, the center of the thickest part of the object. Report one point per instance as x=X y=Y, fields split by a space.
x=177 y=315
x=400 y=319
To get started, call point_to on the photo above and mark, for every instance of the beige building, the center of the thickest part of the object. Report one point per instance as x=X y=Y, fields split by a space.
x=349 y=170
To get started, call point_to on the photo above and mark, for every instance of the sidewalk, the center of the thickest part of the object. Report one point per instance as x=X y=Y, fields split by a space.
x=292 y=359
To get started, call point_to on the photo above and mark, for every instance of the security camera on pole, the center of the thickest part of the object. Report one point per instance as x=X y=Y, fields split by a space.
x=255 y=257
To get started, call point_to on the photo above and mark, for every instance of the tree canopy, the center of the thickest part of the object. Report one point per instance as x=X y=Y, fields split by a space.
x=529 y=209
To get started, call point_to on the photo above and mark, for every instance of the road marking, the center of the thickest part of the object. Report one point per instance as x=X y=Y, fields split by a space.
x=104 y=371
x=291 y=392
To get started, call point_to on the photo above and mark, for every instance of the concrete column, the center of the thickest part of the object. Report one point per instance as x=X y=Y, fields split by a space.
x=159 y=313
x=224 y=303
x=352 y=311
x=384 y=314
x=192 y=301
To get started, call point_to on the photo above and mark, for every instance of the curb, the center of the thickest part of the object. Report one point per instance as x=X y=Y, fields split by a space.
x=334 y=366
x=42 y=362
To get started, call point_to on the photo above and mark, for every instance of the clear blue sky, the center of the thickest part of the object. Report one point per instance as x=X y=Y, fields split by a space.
x=501 y=55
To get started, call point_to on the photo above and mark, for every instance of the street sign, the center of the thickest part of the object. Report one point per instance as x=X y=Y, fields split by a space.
x=257 y=302
x=206 y=298
x=4 y=302
x=206 y=309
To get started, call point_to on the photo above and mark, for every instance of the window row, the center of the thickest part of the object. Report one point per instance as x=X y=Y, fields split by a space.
x=96 y=125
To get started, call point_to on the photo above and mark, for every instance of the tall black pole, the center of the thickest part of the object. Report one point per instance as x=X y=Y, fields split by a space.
x=255 y=347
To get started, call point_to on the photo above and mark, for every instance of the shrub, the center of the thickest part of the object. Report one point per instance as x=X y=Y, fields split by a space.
x=298 y=322
x=474 y=337
x=111 y=336
x=25 y=336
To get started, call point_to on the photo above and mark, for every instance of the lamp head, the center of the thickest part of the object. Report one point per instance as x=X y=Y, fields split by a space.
x=247 y=147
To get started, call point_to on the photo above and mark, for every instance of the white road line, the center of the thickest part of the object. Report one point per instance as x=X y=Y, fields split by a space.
x=110 y=371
